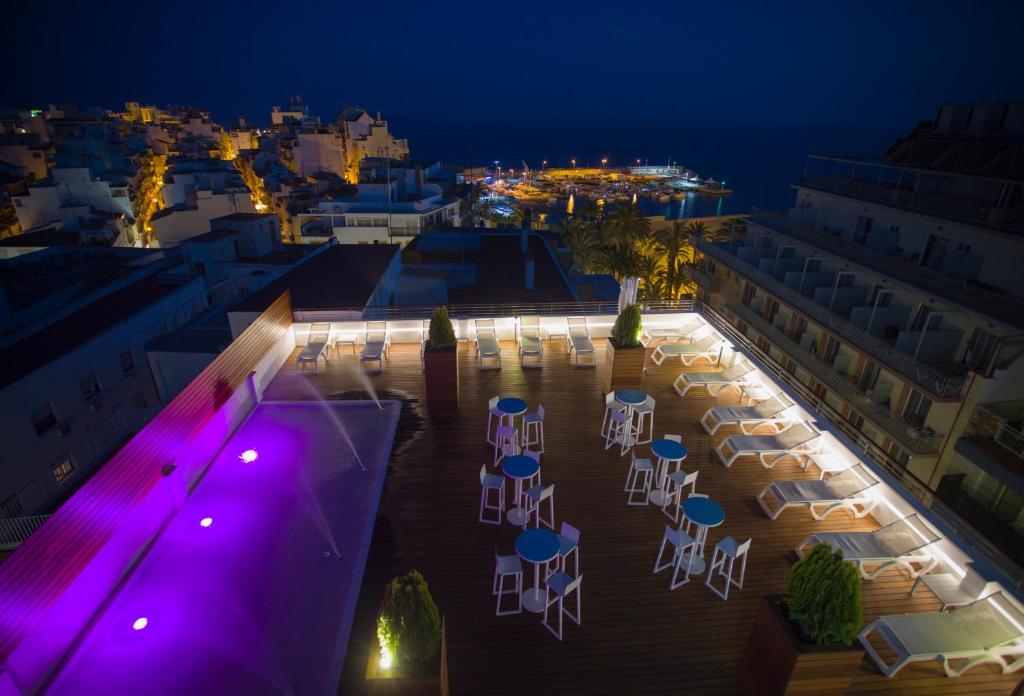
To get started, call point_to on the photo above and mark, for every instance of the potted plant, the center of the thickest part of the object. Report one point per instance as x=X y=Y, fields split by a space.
x=441 y=364
x=410 y=656
x=624 y=357
x=801 y=643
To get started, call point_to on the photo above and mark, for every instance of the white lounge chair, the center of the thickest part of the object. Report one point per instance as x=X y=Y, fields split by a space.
x=988 y=630
x=376 y=347
x=681 y=332
x=902 y=544
x=771 y=411
x=487 y=348
x=531 y=347
x=708 y=347
x=738 y=376
x=580 y=345
x=795 y=441
x=846 y=491
x=316 y=346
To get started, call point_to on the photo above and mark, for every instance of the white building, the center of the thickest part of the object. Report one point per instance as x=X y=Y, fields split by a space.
x=366 y=136
x=195 y=192
x=320 y=150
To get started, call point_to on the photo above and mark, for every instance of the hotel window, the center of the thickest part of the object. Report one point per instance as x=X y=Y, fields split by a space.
x=749 y=293
x=981 y=349
x=62 y=472
x=830 y=351
x=916 y=410
x=43 y=418
x=868 y=376
x=90 y=386
x=862 y=230
x=127 y=361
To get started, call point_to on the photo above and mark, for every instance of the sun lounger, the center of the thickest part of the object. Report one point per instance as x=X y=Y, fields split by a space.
x=768 y=412
x=845 y=491
x=708 y=347
x=737 y=377
x=531 y=348
x=376 y=347
x=903 y=544
x=580 y=345
x=316 y=346
x=487 y=348
x=672 y=333
x=795 y=441
x=988 y=630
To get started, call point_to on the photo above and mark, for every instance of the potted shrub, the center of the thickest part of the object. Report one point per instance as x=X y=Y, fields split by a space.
x=441 y=364
x=801 y=643
x=624 y=357
x=410 y=655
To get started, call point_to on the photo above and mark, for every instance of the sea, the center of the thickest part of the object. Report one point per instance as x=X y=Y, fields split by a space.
x=760 y=163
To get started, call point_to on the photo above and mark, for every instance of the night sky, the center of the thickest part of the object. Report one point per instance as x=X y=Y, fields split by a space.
x=869 y=63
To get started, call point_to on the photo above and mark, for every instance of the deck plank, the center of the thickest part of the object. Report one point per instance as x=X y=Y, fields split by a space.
x=637 y=636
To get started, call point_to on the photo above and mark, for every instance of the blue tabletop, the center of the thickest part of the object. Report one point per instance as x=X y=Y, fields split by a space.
x=519 y=466
x=537 y=545
x=633 y=397
x=511 y=404
x=669 y=449
x=703 y=511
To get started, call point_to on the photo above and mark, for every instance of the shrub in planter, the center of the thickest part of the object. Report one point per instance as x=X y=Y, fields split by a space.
x=626 y=332
x=441 y=335
x=624 y=357
x=409 y=625
x=823 y=596
x=441 y=365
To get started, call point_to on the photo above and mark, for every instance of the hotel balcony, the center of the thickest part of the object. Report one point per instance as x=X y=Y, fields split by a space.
x=812 y=301
x=636 y=635
x=913 y=439
x=699 y=276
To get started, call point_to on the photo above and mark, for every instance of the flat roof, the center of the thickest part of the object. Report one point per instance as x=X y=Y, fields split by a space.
x=343 y=276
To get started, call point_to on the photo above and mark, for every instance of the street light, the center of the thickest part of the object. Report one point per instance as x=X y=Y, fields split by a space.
x=574 y=164
x=604 y=161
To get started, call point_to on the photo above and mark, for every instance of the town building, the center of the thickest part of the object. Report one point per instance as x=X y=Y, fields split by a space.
x=196 y=191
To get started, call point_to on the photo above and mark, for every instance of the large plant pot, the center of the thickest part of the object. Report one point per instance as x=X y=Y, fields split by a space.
x=778 y=662
x=431 y=678
x=623 y=367
x=441 y=374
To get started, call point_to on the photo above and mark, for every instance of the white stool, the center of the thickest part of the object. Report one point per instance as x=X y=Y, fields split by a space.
x=506 y=566
x=506 y=443
x=533 y=428
x=620 y=432
x=560 y=586
x=532 y=500
x=675 y=486
x=680 y=541
x=491 y=482
x=568 y=543
x=493 y=414
x=727 y=550
x=610 y=406
x=645 y=419
x=638 y=468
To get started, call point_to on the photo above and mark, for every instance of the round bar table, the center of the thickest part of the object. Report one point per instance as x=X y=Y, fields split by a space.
x=538 y=546
x=510 y=407
x=519 y=468
x=630 y=398
x=705 y=513
x=667 y=451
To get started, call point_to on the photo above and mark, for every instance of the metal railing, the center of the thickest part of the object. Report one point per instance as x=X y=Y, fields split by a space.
x=980 y=298
x=1011 y=439
x=926 y=376
x=488 y=311
x=908 y=436
x=1011 y=572
x=15 y=530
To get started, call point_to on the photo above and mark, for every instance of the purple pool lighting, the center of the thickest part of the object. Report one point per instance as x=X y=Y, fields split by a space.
x=140 y=623
x=249 y=456
x=206 y=522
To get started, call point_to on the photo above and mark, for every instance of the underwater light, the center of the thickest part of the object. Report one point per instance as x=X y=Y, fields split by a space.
x=249 y=456
x=140 y=623
x=206 y=522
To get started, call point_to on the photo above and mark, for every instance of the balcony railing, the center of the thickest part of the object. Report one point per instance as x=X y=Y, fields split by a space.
x=911 y=438
x=15 y=530
x=926 y=376
x=1010 y=439
x=486 y=311
x=980 y=298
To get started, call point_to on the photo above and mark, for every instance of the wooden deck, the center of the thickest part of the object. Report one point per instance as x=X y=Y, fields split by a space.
x=636 y=636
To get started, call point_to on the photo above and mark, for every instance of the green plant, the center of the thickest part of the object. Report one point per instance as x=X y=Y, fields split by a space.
x=626 y=332
x=823 y=595
x=409 y=625
x=441 y=335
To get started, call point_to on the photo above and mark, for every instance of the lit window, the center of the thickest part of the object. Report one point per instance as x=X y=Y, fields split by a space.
x=43 y=418
x=62 y=472
x=127 y=361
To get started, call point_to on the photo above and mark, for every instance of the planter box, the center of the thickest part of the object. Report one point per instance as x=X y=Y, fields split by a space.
x=623 y=368
x=777 y=662
x=433 y=679
x=441 y=374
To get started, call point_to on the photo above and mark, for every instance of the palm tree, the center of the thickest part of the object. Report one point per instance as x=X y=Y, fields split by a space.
x=671 y=241
x=477 y=210
x=581 y=241
x=628 y=226
x=588 y=210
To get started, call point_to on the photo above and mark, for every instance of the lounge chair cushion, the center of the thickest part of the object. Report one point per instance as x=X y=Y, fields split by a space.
x=979 y=626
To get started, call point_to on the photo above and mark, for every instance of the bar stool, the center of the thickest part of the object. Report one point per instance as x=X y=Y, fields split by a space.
x=680 y=541
x=533 y=428
x=645 y=418
x=535 y=479
x=568 y=543
x=507 y=566
x=610 y=407
x=506 y=443
x=491 y=482
x=619 y=432
x=675 y=485
x=727 y=550
x=638 y=468
x=562 y=586
x=532 y=502
x=492 y=414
